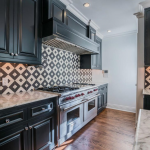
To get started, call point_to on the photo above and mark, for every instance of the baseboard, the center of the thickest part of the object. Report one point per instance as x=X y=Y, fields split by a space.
x=122 y=108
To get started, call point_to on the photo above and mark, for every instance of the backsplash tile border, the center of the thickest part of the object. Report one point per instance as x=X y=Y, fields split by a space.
x=59 y=67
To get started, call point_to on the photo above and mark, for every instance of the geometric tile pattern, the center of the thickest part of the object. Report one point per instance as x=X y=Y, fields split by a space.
x=147 y=78
x=58 y=67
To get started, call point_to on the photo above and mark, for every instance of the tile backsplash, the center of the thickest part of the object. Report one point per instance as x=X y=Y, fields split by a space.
x=58 y=67
x=147 y=78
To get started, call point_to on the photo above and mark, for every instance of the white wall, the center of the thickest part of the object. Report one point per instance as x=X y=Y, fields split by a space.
x=119 y=55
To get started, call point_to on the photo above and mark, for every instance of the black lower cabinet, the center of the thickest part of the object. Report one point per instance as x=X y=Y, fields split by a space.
x=102 y=98
x=42 y=134
x=15 y=139
x=38 y=132
x=146 y=104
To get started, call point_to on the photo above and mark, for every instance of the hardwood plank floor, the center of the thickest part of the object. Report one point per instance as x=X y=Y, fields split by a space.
x=110 y=130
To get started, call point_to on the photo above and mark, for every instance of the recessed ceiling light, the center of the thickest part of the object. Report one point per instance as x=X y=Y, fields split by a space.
x=109 y=31
x=86 y=4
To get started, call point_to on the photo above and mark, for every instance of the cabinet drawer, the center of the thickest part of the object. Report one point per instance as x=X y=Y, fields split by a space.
x=41 y=109
x=11 y=118
x=103 y=88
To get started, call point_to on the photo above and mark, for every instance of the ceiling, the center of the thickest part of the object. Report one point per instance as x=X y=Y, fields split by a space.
x=114 y=15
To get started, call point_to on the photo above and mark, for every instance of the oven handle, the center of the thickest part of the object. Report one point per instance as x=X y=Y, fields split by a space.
x=79 y=103
x=94 y=96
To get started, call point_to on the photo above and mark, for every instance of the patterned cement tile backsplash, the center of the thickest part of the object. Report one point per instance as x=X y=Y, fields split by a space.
x=147 y=78
x=58 y=67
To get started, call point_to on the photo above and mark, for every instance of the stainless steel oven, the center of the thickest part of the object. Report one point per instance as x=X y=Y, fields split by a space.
x=71 y=118
x=90 y=108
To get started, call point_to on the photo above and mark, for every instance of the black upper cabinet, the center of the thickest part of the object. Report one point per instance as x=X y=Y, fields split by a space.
x=92 y=61
x=21 y=28
x=76 y=24
x=147 y=37
x=54 y=8
x=92 y=33
x=6 y=29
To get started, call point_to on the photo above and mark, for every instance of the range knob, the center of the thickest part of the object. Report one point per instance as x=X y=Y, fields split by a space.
x=95 y=89
x=67 y=98
x=72 y=97
x=89 y=92
x=76 y=96
x=82 y=94
x=79 y=94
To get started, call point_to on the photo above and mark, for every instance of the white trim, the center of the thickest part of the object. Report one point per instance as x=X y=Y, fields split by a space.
x=121 y=34
x=121 y=107
x=81 y=16
x=145 y=4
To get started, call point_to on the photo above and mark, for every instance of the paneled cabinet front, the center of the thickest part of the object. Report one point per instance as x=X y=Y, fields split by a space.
x=92 y=61
x=14 y=139
x=19 y=131
x=102 y=98
x=21 y=29
x=41 y=135
x=147 y=37
x=6 y=29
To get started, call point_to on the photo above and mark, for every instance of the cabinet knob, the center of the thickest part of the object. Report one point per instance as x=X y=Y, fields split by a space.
x=12 y=54
x=7 y=120
x=30 y=127
x=16 y=54
x=26 y=128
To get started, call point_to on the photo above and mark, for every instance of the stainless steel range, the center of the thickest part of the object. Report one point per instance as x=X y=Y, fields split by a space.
x=76 y=107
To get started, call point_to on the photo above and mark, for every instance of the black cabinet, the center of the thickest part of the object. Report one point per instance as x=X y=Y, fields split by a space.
x=32 y=132
x=41 y=134
x=14 y=139
x=102 y=98
x=92 y=33
x=147 y=37
x=21 y=31
x=92 y=61
x=6 y=29
x=146 y=104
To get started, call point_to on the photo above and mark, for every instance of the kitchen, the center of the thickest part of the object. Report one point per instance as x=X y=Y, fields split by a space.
x=72 y=79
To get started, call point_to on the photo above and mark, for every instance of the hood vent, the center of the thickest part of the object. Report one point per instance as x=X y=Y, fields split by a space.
x=59 y=35
x=62 y=44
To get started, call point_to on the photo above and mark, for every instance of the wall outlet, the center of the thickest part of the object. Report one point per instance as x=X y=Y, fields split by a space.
x=5 y=81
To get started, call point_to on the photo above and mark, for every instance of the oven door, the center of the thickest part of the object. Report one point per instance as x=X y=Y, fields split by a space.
x=90 y=108
x=71 y=117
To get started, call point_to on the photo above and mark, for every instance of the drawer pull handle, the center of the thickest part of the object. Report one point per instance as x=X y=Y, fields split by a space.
x=26 y=128
x=7 y=120
x=43 y=108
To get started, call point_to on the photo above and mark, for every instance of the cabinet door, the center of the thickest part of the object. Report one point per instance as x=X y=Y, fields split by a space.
x=6 y=29
x=27 y=41
x=41 y=135
x=147 y=37
x=100 y=102
x=105 y=98
x=94 y=61
x=14 y=139
x=97 y=59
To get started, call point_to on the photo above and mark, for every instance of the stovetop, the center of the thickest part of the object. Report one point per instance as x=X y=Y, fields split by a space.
x=65 y=88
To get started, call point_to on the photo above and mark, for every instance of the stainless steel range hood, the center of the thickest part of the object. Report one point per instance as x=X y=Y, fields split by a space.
x=62 y=44
x=59 y=35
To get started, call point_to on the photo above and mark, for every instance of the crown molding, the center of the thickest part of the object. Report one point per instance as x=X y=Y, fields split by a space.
x=81 y=16
x=142 y=6
x=145 y=4
x=121 y=34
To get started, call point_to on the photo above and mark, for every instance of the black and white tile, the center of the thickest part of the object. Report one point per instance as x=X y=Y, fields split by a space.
x=58 y=67
x=147 y=78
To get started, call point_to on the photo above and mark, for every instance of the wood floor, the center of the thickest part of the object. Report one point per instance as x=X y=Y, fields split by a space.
x=110 y=130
